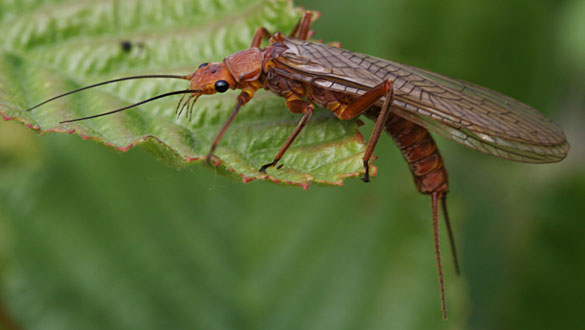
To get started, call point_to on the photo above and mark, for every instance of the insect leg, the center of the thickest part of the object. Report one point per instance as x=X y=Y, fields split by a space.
x=244 y=97
x=380 y=122
x=302 y=29
x=297 y=106
x=360 y=105
x=261 y=34
x=222 y=131
x=425 y=162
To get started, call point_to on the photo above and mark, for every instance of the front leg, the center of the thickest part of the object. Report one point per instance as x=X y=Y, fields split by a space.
x=244 y=97
x=295 y=106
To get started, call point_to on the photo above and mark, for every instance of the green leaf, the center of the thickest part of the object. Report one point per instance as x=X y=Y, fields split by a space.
x=91 y=240
x=50 y=47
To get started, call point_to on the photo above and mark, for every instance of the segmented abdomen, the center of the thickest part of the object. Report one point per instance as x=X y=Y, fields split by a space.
x=420 y=151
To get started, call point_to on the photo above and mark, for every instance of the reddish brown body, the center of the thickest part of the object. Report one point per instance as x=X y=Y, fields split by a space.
x=415 y=142
x=420 y=151
x=404 y=101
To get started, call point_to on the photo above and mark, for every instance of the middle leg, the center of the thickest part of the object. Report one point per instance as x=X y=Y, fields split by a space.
x=295 y=106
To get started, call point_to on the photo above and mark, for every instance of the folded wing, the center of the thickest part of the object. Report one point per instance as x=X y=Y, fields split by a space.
x=471 y=115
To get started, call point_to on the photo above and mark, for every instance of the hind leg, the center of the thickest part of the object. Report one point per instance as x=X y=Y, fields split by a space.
x=303 y=28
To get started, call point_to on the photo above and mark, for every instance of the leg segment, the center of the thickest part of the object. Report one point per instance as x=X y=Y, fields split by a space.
x=261 y=34
x=301 y=30
x=427 y=167
x=360 y=105
x=224 y=128
x=380 y=122
x=295 y=106
x=244 y=97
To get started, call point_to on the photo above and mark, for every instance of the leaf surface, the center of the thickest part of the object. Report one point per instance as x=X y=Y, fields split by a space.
x=51 y=47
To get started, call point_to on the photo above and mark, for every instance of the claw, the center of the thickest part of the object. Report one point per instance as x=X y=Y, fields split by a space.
x=209 y=156
x=265 y=166
x=366 y=177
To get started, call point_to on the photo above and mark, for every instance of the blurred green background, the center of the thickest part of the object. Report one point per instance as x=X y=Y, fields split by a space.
x=91 y=238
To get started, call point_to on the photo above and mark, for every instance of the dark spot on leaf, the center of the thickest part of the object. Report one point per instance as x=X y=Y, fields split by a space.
x=126 y=45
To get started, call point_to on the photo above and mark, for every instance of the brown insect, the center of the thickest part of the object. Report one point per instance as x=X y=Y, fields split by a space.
x=405 y=101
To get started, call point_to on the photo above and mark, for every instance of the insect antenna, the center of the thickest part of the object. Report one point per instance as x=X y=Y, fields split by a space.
x=110 y=82
x=133 y=105
x=450 y=233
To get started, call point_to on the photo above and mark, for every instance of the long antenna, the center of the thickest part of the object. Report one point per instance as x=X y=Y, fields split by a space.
x=110 y=82
x=133 y=105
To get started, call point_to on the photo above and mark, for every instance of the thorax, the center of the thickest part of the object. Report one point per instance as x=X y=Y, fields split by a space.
x=287 y=82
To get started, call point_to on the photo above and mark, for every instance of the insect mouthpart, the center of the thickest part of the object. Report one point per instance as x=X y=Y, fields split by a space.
x=190 y=102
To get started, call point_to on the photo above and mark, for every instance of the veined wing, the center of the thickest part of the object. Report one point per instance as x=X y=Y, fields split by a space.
x=472 y=115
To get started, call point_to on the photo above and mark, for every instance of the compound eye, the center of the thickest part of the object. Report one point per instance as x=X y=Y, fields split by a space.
x=203 y=64
x=221 y=86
